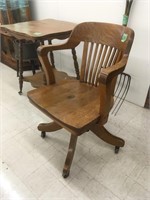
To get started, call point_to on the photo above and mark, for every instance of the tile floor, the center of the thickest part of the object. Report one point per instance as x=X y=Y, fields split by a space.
x=31 y=167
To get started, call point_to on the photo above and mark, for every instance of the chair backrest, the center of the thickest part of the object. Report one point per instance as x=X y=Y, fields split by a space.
x=104 y=45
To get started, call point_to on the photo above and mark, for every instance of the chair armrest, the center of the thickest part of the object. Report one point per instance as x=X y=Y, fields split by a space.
x=44 y=49
x=43 y=57
x=107 y=74
x=107 y=84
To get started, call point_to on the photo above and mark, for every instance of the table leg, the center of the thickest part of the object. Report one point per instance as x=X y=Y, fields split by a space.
x=20 y=66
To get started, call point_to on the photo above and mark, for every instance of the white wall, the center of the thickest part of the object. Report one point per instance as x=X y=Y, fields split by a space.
x=108 y=11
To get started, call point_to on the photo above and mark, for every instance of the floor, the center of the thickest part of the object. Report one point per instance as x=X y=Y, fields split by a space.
x=31 y=167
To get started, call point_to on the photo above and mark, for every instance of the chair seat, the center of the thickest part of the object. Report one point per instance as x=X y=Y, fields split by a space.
x=37 y=81
x=72 y=103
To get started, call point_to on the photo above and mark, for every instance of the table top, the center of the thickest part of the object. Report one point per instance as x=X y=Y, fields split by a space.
x=38 y=29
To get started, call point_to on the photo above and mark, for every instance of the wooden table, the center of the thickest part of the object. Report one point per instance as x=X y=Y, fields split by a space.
x=39 y=30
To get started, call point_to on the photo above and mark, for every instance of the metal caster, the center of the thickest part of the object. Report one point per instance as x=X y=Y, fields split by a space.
x=117 y=149
x=65 y=174
x=20 y=92
x=43 y=134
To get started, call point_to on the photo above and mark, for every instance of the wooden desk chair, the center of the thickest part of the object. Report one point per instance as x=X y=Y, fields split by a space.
x=83 y=105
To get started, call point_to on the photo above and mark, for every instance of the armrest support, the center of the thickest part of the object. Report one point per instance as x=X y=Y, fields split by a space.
x=107 y=84
x=43 y=57
x=107 y=74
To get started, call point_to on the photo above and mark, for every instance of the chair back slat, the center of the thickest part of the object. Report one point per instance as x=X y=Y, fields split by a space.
x=83 y=64
x=113 y=52
x=93 y=62
x=97 y=56
x=88 y=66
x=107 y=56
x=96 y=67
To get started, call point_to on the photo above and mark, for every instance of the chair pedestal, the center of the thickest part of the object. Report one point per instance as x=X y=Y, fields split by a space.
x=102 y=133
x=51 y=127
x=70 y=155
x=106 y=136
x=98 y=130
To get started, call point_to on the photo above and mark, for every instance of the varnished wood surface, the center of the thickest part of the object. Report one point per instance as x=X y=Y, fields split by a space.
x=80 y=102
x=37 y=80
x=38 y=30
x=85 y=104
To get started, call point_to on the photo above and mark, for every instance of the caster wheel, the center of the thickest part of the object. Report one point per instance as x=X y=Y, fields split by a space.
x=65 y=174
x=117 y=149
x=43 y=134
x=20 y=92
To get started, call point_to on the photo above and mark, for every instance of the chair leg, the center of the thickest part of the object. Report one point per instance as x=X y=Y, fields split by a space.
x=70 y=154
x=103 y=134
x=48 y=127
